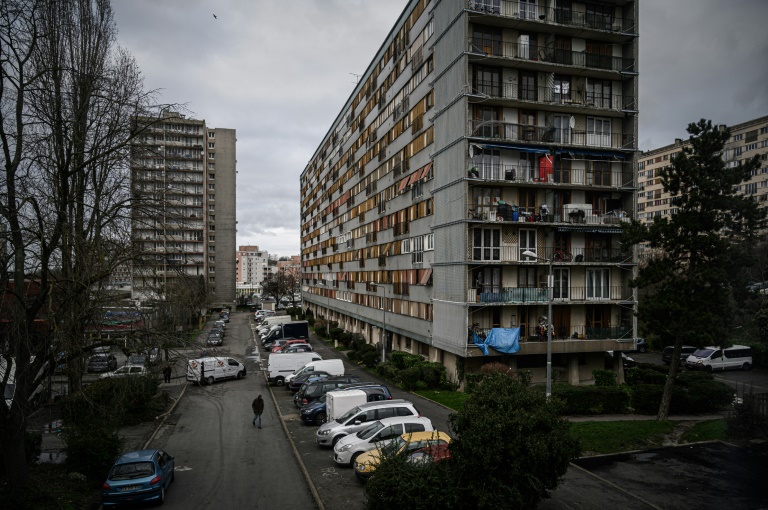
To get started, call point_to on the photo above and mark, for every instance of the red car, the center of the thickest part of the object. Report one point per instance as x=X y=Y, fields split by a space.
x=435 y=453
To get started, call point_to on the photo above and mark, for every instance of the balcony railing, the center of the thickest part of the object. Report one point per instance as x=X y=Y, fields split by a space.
x=531 y=333
x=571 y=214
x=561 y=294
x=508 y=131
x=532 y=173
x=571 y=256
x=555 y=95
x=551 y=55
x=533 y=12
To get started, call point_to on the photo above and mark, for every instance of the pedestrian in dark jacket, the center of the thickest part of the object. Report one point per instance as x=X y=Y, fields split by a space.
x=167 y=370
x=258 y=407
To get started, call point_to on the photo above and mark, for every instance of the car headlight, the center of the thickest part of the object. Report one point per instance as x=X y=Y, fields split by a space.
x=344 y=448
x=323 y=432
x=306 y=411
x=361 y=467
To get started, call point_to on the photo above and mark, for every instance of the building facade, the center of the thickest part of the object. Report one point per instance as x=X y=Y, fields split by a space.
x=183 y=213
x=253 y=267
x=489 y=145
x=747 y=140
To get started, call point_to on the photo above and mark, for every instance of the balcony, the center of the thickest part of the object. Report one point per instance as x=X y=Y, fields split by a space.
x=498 y=130
x=578 y=100
x=604 y=294
x=570 y=215
x=557 y=15
x=573 y=256
x=500 y=172
x=547 y=55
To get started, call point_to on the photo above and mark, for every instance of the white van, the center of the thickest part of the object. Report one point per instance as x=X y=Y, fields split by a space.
x=277 y=319
x=332 y=366
x=281 y=366
x=714 y=358
x=214 y=368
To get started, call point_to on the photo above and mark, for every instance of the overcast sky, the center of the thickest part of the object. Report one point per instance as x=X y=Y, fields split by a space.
x=279 y=71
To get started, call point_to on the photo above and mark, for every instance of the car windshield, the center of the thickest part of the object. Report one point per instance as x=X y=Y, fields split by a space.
x=703 y=353
x=132 y=470
x=349 y=414
x=370 y=430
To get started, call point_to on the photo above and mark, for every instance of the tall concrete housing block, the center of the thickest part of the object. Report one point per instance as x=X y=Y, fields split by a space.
x=488 y=145
x=222 y=231
x=183 y=209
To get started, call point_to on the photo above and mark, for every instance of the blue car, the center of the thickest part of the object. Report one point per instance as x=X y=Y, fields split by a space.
x=316 y=412
x=138 y=476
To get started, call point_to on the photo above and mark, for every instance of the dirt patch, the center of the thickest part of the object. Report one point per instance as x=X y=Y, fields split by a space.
x=673 y=438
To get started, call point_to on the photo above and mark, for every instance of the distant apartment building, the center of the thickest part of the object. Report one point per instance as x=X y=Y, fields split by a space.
x=183 y=221
x=747 y=140
x=488 y=145
x=253 y=267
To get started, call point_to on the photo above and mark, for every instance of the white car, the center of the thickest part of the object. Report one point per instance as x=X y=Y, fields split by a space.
x=377 y=435
x=126 y=371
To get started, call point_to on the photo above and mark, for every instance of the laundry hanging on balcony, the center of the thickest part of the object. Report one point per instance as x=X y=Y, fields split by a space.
x=506 y=340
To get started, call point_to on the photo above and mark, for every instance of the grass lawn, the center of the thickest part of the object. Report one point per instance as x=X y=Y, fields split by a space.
x=451 y=399
x=712 y=430
x=619 y=436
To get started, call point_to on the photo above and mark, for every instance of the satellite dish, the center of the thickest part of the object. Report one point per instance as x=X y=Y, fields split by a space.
x=572 y=122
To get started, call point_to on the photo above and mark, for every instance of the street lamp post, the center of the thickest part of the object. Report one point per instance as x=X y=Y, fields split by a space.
x=551 y=291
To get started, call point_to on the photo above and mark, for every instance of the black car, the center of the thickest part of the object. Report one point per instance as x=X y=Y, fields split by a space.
x=309 y=392
x=666 y=354
x=642 y=345
x=295 y=383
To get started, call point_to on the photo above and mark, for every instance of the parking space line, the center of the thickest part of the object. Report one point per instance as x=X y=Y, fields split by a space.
x=617 y=487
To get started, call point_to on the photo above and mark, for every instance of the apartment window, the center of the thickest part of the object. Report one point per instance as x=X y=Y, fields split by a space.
x=600 y=16
x=211 y=177
x=599 y=173
x=562 y=89
x=211 y=197
x=487 y=40
x=406 y=246
x=486 y=244
x=526 y=277
x=488 y=81
x=429 y=242
x=527 y=242
x=599 y=93
x=211 y=134
x=211 y=207
x=737 y=138
x=562 y=282
x=418 y=250
x=211 y=155
x=597 y=284
x=750 y=147
x=211 y=187
x=750 y=189
x=212 y=217
x=527 y=90
x=211 y=145
x=211 y=228
x=598 y=132
x=737 y=152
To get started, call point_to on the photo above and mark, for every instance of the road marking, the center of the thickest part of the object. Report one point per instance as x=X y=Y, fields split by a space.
x=329 y=472
x=182 y=468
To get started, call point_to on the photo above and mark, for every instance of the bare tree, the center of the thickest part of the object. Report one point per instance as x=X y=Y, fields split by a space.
x=66 y=103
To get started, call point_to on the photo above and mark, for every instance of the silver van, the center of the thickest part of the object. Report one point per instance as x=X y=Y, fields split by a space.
x=714 y=358
x=360 y=417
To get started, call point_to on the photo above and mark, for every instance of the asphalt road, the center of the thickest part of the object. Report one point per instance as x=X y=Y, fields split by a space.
x=222 y=460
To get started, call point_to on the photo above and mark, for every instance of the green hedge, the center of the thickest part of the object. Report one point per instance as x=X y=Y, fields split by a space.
x=759 y=353
x=592 y=399
x=695 y=395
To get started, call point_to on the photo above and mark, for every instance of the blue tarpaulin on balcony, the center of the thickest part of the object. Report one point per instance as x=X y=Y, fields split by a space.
x=506 y=340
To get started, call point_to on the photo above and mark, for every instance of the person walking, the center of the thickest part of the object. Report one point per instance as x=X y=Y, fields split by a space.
x=167 y=370
x=258 y=407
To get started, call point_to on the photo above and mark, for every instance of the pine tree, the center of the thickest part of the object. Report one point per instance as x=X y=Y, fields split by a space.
x=685 y=282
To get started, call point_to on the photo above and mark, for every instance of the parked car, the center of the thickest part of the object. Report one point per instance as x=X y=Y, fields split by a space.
x=136 y=359
x=626 y=361
x=127 y=371
x=295 y=348
x=714 y=358
x=435 y=453
x=360 y=417
x=366 y=464
x=377 y=435
x=317 y=412
x=138 y=476
x=102 y=363
x=642 y=345
x=214 y=339
x=282 y=342
x=295 y=384
x=309 y=392
x=666 y=354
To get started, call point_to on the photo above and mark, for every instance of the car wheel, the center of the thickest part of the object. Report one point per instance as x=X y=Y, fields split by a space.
x=354 y=458
x=336 y=440
x=280 y=381
x=746 y=366
x=209 y=380
x=709 y=368
x=240 y=374
x=320 y=419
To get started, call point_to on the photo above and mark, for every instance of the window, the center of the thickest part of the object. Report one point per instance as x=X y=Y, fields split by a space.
x=211 y=187
x=211 y=155
x=598 y=132
x=750 y=189
x=487 y=40
x=526 y=277
x=597 y=284
x=561 y=284
x=486 y=244
x=418 y=250
x=562 y=125
x=429 y=242
x=599 y=94
x=562 y=89
x=737 y=138
x=599 y=173
x=600 y=16
x=527 y=242
x=406 y=246
x=211 y=134
x=528 y=86
x=211 y=197
x=487 y=81
x=528 y=9
x=211 y=145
